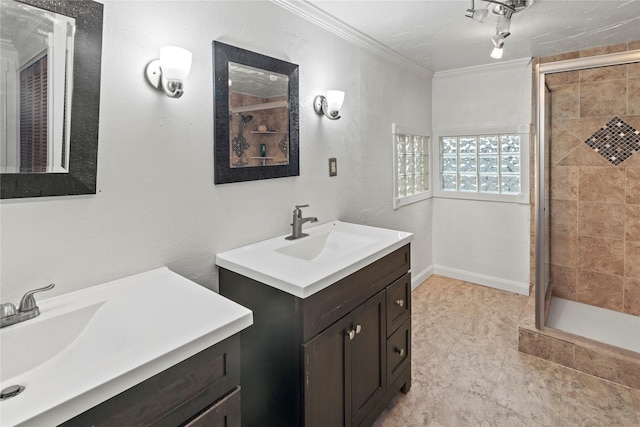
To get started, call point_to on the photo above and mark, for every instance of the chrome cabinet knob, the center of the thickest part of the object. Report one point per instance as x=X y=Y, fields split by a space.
x=400 y=351
x=351 y=333
x=400 y=302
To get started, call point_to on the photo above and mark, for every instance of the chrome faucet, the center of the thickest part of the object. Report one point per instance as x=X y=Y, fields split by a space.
x=297 y=233
x=27 y=309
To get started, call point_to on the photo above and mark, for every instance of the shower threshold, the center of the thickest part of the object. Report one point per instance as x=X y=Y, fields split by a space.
x=599 y=324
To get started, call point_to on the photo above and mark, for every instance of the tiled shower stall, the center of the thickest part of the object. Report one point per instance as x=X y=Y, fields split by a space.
x=594 y=205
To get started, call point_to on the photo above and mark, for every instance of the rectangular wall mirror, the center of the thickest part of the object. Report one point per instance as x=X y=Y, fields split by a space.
x=256 y=115
x=49 y=97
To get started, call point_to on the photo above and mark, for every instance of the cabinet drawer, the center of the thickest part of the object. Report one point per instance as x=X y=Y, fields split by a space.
x=173 y=396
x=398 y=303
x=398 y=351
x=323 y=308
x=224 y=413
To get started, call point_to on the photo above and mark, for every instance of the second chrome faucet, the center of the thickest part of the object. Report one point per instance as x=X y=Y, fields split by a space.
x=297 y=222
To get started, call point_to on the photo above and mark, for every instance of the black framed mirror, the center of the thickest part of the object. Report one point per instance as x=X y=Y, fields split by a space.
x=256 y=115
x=77 y=173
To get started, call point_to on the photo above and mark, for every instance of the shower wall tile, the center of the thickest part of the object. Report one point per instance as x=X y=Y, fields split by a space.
x=603 y=99
x=565 y=101
x=583 y=128
x=559 y=57
x=603 y=50
x=634 y=69
x=632 y=226
x=631 y=297
x=618 y=72
x=633 y=45
x=564 y=250
x=583 y=155
x=557 y=79
x=602 y=255
x=564 y=217
x=633 y=186
x=632 y=265
x=564 y=280
x=601 y=290
x=601 y=220
x=564 y=183
x=599 y=184
x=618 y=370
x=564 y=142
x=633 y=107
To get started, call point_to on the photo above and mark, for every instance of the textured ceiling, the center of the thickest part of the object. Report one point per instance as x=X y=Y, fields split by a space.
x=436 y=35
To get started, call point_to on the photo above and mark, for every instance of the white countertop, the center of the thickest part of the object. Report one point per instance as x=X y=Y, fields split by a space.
x=119 y=334
x=305 y=266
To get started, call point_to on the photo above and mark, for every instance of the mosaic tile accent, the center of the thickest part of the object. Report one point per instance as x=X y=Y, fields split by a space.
x=616 y=141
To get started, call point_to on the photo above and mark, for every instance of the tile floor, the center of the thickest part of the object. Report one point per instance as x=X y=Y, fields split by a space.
x=467 y=370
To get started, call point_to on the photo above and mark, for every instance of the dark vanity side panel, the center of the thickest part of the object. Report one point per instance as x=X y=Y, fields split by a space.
x=173 y=396
x=327 y=306
x=271 y=352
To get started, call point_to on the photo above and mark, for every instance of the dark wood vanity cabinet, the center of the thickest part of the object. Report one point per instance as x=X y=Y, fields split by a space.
x=203 y=390
x=333 y=359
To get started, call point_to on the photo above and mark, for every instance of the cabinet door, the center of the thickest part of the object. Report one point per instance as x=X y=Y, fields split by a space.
x=367 y=357
x=324 y=376
x=225 y=413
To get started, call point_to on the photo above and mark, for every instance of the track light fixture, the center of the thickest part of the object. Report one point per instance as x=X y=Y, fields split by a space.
x=504 y=10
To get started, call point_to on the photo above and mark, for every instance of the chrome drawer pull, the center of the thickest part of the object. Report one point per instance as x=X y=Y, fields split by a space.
x=358 y=329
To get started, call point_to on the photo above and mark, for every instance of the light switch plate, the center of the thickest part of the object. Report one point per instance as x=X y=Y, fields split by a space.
x=333 y=167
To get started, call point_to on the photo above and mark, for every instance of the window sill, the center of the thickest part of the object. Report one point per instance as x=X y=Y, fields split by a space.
x=521 y=199
x=399 y=202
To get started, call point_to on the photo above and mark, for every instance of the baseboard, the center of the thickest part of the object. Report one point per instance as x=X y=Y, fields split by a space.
x=419 y=278
x=481 y=279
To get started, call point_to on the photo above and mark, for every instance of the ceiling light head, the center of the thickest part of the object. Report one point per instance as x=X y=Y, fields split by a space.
x=496 y=53
x=498 y=39
x=479 y=15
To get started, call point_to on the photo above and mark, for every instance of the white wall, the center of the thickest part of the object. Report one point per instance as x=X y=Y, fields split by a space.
x=156 y=203
x=483 y=242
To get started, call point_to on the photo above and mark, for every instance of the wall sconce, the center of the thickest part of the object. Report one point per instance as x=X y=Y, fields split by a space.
x=170 y=71
x=329 y=105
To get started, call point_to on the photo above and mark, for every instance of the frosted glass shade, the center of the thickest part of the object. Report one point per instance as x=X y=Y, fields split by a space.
x=335 y=98
x=496 y=53
x=175 y=63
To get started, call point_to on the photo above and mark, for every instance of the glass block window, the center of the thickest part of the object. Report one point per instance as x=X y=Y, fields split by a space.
x=481 y=163
x=411 y=166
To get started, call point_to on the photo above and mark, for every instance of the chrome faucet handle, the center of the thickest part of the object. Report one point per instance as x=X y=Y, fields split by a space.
x=298 y=207
x=7 y=309
x=28 y=302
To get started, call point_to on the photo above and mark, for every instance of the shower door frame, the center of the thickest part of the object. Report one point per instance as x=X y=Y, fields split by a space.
x=541 y=70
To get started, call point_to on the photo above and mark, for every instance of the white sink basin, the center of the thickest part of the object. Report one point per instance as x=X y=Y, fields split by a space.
x=31 y=343
x=305 y=266
x=87 y=346
x=326 y=246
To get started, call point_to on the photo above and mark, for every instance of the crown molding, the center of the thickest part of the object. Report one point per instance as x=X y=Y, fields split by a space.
x=311 y=13
x=498 y=66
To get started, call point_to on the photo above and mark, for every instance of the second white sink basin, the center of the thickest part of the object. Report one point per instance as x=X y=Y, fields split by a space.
x=305 y=266
x=326 y=246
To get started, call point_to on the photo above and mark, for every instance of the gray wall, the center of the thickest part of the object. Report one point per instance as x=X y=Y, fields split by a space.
x=156 y=203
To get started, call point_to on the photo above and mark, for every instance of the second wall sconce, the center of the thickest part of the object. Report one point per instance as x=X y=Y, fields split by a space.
x=329 y=105
x=170 y=71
